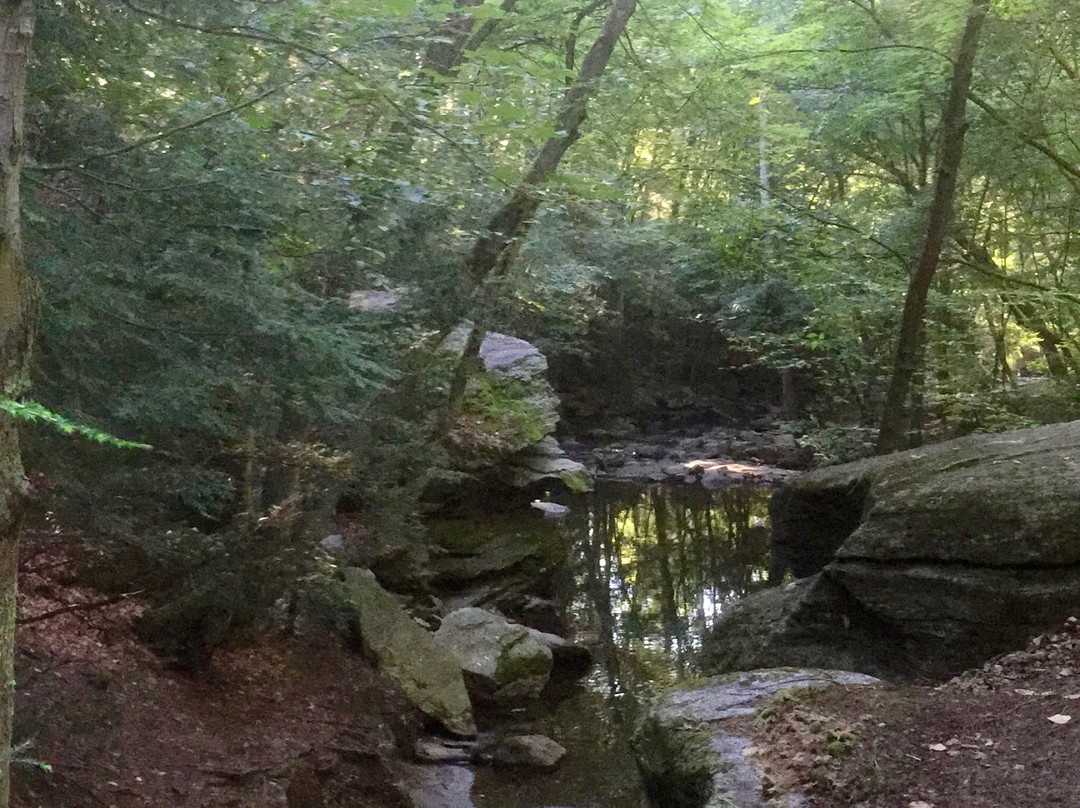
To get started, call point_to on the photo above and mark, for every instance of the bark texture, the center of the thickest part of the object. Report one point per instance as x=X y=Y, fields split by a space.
x=16 y=340
x=950 y=152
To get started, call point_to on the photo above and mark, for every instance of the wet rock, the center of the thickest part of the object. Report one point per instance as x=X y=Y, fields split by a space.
x=550 y=510
x=569 y=660
x=429 y=675
x=502 y=661
x=925 y=562
x=525 y=751
x=688 y=756
x=546 y=460
x=439 y=750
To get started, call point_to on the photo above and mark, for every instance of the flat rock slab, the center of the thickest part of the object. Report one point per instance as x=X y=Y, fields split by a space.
x=743 y=693
x=438 y=786
x=736 y=780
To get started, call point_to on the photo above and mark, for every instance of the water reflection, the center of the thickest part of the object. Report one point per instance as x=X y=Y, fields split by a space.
x=649 y=571
x=655 y=567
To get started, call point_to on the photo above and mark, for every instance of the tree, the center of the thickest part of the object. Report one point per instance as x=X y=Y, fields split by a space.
x=950 y=152
x=493 y=251
x=16 y=340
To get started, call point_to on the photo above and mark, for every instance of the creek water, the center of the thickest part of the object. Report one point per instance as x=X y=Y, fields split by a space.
x=645 y=572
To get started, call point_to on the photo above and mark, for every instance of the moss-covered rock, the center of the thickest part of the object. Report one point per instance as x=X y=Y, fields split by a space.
x=502 y=661
x=429 y=675
x=924 y=562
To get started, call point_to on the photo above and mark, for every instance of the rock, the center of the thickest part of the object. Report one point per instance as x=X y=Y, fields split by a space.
x=510 y=415
x=550 y=510
x=545 y=460
x=525 y=751
x=502 y=661
x=690 y=759
x=925 y=562
x=438 y=786
x=376 y=299
x=333 y=544
x=429 y=675
x=438 y=750
x=569 y=660
x=512 y=357
x=675 y=759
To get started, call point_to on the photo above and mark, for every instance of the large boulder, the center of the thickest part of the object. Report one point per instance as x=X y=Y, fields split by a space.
x=429 y=675
x=924 y=562
x=509 y=414
x=502 y=661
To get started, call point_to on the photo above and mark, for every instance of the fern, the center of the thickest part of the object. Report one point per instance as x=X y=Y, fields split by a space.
x=34 y=412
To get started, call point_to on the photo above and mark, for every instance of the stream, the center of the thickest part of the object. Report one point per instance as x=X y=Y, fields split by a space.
x=640 y=574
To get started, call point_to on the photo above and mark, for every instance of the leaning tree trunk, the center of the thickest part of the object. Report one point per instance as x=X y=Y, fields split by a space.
x=16 y=335
x=950 y=151
x=493 y=251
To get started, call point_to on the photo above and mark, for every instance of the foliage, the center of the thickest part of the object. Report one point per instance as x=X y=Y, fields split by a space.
x=35 y=413
x=208 y=183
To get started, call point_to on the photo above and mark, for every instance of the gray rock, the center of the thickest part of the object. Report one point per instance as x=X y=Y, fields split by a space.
x=569 y=660
x=376 y=299
x=545 y=460
x=526 y=457
x=550 y=510
x=429 y=675
x=437 y=750
x=924 y=562
x=332 y=544
x=438 y=786
x=526 y=751
x=687 y=756
x=502 y=661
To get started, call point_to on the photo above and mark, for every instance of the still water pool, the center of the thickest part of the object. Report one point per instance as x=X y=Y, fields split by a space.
x=647 y=570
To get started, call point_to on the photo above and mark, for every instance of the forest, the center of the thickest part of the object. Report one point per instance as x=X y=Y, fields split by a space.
x=237 y=236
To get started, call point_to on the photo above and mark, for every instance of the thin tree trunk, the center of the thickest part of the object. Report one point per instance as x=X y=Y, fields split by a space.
x=492 y=250
x=16 y=341
x=950 y=152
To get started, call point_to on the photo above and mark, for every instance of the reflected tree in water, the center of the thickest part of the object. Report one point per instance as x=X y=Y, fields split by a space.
x=660 y=564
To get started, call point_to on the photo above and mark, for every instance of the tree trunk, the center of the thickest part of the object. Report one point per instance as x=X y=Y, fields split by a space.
x=16 y=339
x=950 y=152
x=493 y=249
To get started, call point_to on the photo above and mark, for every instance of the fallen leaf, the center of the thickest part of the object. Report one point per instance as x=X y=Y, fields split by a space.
x=1060 y=719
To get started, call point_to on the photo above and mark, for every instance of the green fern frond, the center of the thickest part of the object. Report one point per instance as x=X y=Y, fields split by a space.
x=34 y=412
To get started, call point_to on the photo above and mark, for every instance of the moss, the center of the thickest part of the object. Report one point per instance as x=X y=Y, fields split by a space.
x=578 y=482
x=506 y=411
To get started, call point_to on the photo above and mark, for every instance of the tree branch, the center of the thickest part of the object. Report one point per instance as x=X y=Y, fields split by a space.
x=76 y=607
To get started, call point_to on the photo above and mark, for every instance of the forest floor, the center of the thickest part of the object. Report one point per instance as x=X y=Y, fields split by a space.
x=1003 y=736
x=275 y=724
x=280 y=724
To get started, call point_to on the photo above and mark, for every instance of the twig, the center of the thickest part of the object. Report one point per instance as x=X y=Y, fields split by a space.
x=77 y=607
